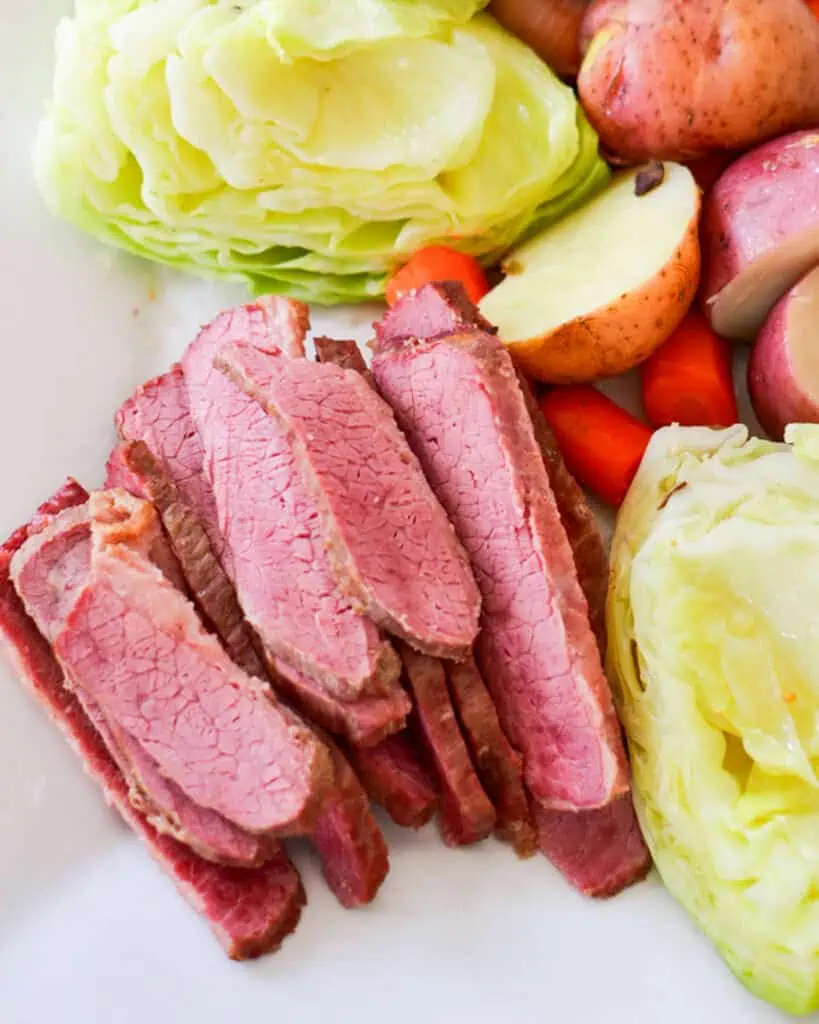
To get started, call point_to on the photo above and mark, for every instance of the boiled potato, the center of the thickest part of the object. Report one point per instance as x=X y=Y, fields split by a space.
x=760 y=232
x=596 y=293
x=783 y=371
x=676 y=79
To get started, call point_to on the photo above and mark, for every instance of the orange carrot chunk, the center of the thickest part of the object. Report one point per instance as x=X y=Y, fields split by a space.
x=689 y=379
x=601 y=443
x=438 y=263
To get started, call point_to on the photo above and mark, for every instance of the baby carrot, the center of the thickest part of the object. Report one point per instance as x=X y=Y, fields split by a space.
x=438 y=263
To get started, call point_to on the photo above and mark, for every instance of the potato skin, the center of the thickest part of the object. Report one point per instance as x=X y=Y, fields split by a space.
x=617 y=337
x=760 y=202
x=550 y=27
x=676 y=79
x=778 y=396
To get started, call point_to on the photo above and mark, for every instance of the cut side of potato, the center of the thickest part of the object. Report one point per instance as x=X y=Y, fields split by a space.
x=595 y=294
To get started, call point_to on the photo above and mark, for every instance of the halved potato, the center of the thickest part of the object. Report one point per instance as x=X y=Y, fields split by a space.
x=596 y=293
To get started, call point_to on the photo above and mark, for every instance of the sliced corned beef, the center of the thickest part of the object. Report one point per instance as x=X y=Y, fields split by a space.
x=397 y=778
x=436 y=310
x=582 y=530
x=600 y=852
x=459 y=402
x=271 y=525
x=134 y=467
x=499 y=767
x=342 y=352
x=129 y=640
x=249 y=910
x=431 y=311
x=466 y=814
x=349 y=842
x=363 y=722
x=391 y=546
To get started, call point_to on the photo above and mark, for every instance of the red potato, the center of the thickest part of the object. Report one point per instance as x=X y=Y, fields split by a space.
x=760 y=232
x=550 y=27
x=598 y=15
x=676 y=79
x=783 y=372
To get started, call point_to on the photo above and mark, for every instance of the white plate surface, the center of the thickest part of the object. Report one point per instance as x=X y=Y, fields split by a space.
x=90 y=931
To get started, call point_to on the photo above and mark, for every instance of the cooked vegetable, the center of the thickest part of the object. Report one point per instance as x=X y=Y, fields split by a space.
x=676 y=79
x=707 y=169
x=712 y=653
x=307 y=148
x=596 y=294
x=760 y=232
x=438 y=263
x=601 y=444
x=689 y=379
x=550 y=27
x=783 y=371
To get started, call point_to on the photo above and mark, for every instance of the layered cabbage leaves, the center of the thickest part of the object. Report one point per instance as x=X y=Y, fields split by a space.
x=713 y=621
x=307 y=146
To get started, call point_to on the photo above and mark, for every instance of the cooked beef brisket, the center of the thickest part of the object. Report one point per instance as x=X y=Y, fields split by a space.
x=133 y=466
x=431 y=311
x=342 y=352
x=459 y=402
x=271 y=525
x=250 y=911
x=466 y=815
x=396 y=777
x=351 y=846
x=129 y=640
x=499 y=767
x=600 y=852
x=391 y=547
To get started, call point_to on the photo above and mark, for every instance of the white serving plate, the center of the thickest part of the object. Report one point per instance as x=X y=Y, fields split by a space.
x=90 y=931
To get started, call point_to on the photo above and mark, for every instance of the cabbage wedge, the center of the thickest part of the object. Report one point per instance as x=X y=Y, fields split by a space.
x=306 y=147
x=713 y=616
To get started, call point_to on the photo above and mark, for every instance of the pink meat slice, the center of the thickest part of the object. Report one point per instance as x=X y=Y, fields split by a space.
x=134 y=467
x=600 y=852
x=354 y=856
x=391 y=546
x=459 y=402
x=499 y=767
x=466 y=813
x=396 y=776
x=251 y=911
x=271 y=525
x=133 y=643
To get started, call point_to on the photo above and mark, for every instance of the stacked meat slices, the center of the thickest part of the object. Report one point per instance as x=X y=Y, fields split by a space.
x=293 y=597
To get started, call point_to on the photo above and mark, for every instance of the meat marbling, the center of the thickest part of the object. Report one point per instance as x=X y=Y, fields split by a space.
x=250 y=911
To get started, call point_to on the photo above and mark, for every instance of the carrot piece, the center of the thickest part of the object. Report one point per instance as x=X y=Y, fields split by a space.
x=689 y=379
x=814 y=6
x=438 y=263
x=601 y=443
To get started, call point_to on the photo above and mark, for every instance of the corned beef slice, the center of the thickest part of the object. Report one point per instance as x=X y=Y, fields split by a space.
x=600 y=852
x=391 y=546
x=499 y=767
x=133 y=466
x=431 y=311
x=130 y=641
x=271 y=525
x=363 y=722
x=342 y=352
x=466 y=816
x=396 y=778
x=459 y=403
x=350 y=844
x=249 y=911
x=437 y=310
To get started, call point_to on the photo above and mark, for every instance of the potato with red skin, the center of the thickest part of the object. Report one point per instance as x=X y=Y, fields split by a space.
x=550 y=27
x=783 y=371
x=676 y=79
x=760 y=232
x=597 y=16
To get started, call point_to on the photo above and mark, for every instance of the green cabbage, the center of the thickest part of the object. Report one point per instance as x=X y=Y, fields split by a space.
x=713 y=616
x=306 y=146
